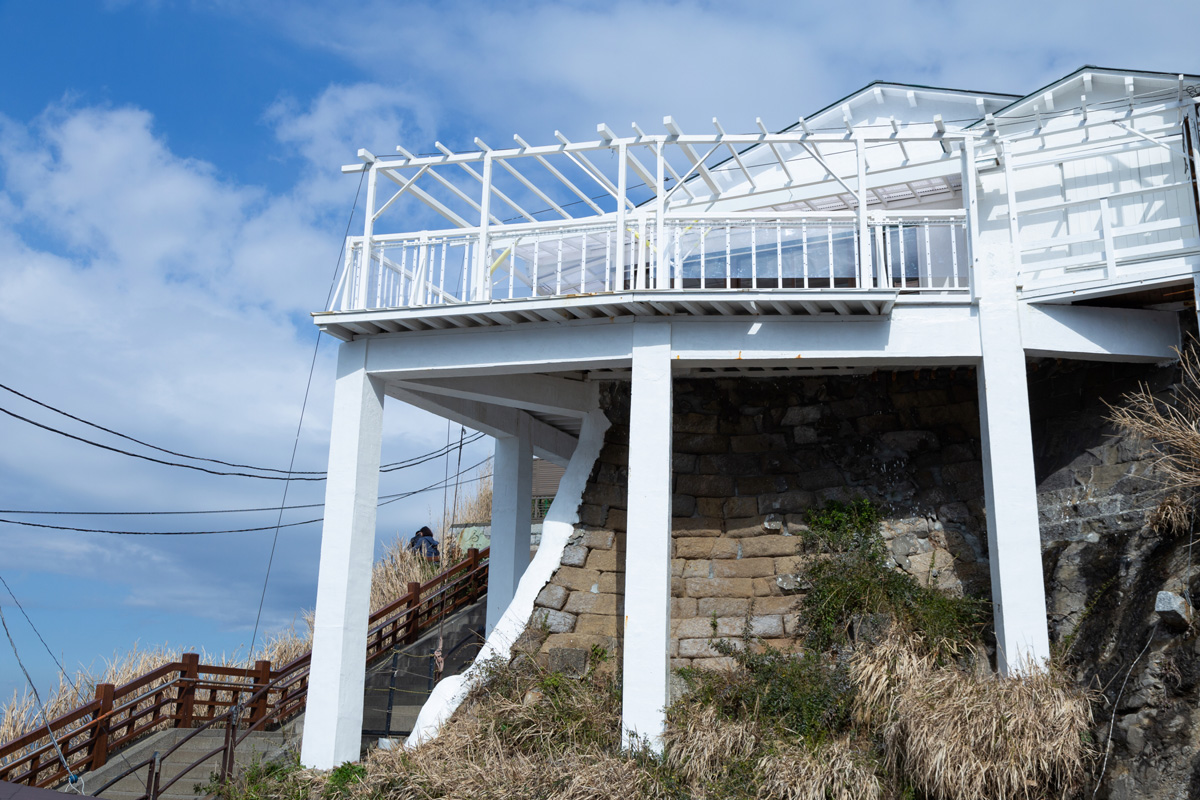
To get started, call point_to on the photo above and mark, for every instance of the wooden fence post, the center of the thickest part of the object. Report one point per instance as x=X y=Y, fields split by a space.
x=185 y=701
x=99 y=744
x=262 y=677
x=414 y=612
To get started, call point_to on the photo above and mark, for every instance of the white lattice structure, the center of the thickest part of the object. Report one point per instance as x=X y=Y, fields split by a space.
x=902 y=226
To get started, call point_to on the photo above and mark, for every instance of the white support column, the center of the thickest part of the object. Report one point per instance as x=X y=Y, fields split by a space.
x=1010 y=489
x=865 y=271
x=512 y=512
x=645 y=662
x=622 y=234
x=333 y=715
x=364 y=275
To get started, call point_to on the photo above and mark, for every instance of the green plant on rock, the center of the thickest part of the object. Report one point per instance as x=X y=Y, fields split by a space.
x=855 y=580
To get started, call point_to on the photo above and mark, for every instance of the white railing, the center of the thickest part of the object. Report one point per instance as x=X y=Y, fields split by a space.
x=925 y=251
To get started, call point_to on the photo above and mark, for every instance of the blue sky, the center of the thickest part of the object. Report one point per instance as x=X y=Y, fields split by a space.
x=171 y=210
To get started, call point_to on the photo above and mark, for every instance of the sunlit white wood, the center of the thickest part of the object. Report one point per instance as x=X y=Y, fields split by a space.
x=486 y=181
x=545 y=198
x=736 y=156
x=559 y=176
x=690 y=152
x=645 y=655
x=775 y=150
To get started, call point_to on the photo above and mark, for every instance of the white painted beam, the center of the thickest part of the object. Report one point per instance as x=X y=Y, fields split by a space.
x=1010 y=488
x=645 y=659
x=333 y=717
x=512 y=504
x=1099 y=334
x=540 y=393
x=548 y=442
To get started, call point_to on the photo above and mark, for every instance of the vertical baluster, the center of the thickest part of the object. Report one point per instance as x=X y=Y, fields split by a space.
x=928 y=257
x=703 y=267
x=512 y=267
x=804 y=247
x=537 y=255
x=728 y=257
x=903 y=259
x=608 y=240
x=442 y=277
x=379 y=280
x=558 y=269
x=779 y=252
x=829 y=242
x=678 y=257
x=857 y=273
x=583 y=263
x=954 y=253
x=753 y=255
x=466 y=269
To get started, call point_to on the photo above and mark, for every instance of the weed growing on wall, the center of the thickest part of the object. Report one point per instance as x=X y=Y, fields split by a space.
x=853 y=579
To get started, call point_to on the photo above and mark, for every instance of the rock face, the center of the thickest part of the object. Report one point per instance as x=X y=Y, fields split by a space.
x=753 y=454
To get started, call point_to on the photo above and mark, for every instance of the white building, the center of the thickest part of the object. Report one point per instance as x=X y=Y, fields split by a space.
x=900 y=226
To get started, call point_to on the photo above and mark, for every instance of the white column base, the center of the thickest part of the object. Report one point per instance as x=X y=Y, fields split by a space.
x=645 y=659
x=334 y=709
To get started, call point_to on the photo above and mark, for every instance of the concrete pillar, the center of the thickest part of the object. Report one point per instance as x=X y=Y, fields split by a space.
x=333 y=716
x=512 y=512
x=1010 y=487
x=645 y=660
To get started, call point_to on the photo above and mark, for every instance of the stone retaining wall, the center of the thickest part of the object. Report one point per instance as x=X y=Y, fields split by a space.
x=752 y=455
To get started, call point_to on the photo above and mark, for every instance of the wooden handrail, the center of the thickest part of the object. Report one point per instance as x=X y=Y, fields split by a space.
x=168 y=694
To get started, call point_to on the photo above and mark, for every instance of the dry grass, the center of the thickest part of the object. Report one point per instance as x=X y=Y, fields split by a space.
x=955 y=734
x=699 y=744
x=1168 y=426
x=834 y=771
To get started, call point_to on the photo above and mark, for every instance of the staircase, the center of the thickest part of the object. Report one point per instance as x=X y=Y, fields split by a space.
x=174 y=728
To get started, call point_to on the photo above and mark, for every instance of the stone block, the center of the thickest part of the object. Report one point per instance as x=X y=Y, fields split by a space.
x=705 y=485
x=722 y=607
x=801 y=415
x=785 y=502
x=684 y=462
x=730 y=464
x=683 y=504
x=796 y=525
x=817 y=479
x=695 y=423
x=683 y=607
x=570 y=661
x=597 y=539
x=770 y=545
x=773 y=605
x=574 y=555
x=703 y=648
x=577 y=579
x=792 y=583
x=616 y=519
x=743 y=568
x=677 y=566
x=702 y=627
x=693 y=547
x=598 y=625
x=788 y=564
x=700 y=443
x=614 y=453
x=719 y=587
x=766 y=587
x=702 y=568
x=553 y=621
x=873 y=424
x=783 y=644
x=761 y=484
x=592 y=514
x=719 y=664
x=611 y=583
x=577 y=641
x=1174 y=611
x=606 y=560
x=553 y=597
x=588 y=603
x=742 y=527
x=757 y=443
x=735 y=507
x=696 y=526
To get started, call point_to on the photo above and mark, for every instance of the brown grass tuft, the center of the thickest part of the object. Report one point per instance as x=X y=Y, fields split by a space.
x=834 y=771
x=956 y=734
x=699 y=744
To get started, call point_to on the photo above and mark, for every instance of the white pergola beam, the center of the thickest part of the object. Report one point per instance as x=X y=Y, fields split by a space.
x=489 y=185
x=426 y=198
x=690 y=152
x=1096 y=333
x=540 y=393
x=498 y=421
x=559 y=176
x=528 y=184
x=466 y=198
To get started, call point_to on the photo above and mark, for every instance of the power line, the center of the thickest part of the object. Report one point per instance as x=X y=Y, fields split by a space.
x=139 y=441
x=385 y=500
x=151 y=458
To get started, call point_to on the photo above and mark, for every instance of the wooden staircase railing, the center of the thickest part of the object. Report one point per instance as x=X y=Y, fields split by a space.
x=189 y=694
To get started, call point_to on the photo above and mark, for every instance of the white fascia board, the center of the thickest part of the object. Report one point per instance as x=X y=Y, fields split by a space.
x=541 y=393
x=1099 y=334
x=531 y=347
x=923 y=335
x=548 y=442
x=1070 y=87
